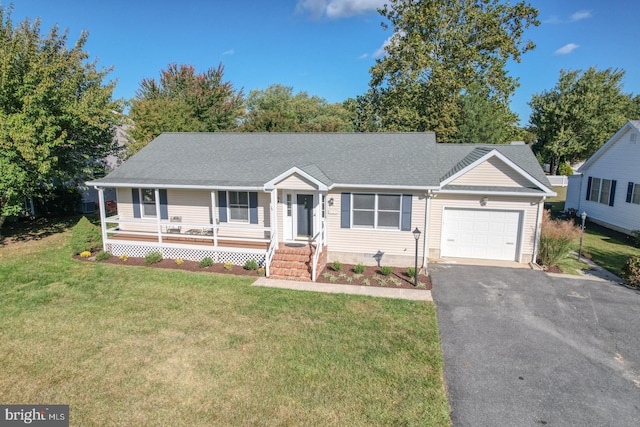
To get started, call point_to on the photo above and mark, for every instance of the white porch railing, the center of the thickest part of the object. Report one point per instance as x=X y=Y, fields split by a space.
x=188 y=240
x=319 y=241
x=269 y=256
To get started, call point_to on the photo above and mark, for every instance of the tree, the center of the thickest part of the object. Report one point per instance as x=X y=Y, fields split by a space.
x=482 y=120
x=183 y=101
x=578 y=115
x=438 y=49
x=57 y=118
x=277 y=109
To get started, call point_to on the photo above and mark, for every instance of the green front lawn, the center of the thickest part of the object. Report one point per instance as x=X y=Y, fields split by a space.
x=141 y=346
x=608 y=249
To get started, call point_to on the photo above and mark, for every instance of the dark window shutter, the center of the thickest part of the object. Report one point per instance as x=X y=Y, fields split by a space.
x=345 y=210
x=588 y=188
x=164 y=209
x=135 y=196
x=253 y=207
x=612 y=195
x=629 y=192
x=222 y=205
x=406 y=212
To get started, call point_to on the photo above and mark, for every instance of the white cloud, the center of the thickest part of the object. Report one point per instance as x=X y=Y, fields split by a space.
x=338 y=8
x=580 y=15
x=228 y=52
x=363 y=56
x=566 y=49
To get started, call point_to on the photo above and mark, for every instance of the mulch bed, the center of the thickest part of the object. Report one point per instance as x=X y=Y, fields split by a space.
x=374 y=277
x=398 y=274
x=171 y=264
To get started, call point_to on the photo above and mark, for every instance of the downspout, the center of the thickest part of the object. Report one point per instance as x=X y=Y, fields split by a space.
x=103 y=217
x=536 y=241
x=425 y=249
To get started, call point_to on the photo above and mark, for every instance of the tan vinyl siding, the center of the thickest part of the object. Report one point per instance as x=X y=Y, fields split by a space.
x=194 y=207
x=296 y=182
x=369 y=242
x=495 y=202
x=492 y=172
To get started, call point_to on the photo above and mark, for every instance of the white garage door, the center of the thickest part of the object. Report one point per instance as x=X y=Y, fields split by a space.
x=480 y=233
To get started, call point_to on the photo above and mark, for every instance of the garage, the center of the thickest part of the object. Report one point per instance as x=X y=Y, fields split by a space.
x=481 y=233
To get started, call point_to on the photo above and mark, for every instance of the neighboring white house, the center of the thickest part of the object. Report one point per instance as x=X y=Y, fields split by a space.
x=608 y=185
x=352 y=197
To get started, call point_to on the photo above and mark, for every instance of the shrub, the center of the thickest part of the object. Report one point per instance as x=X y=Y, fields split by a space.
x=251 y=265
x=565 y=169
x=261 y=271
x=556 y=239
x=205 y=262
x=124 y=257
x=85 y=237
x=102 y=255
x=228 y=265
x=631 y=271
x=359 y=268
x=153 y=257
x=336 y=266
x=411 y=272
x=85 y=254
x=179 y=261
x=386 y=270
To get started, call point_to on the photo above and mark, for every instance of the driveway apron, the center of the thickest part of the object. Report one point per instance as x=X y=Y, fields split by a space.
x=522 y=348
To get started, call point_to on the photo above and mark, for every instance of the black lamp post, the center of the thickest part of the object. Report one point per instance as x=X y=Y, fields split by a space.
x=416 y=235
x=583 y=216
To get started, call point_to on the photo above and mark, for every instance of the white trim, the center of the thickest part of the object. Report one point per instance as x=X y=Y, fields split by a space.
x=607 y=145
x=499 y=155
x=498 y=193
x=239 y=221
x=177 y=186
x=384 y=187
x=270 y=185
x=103 y=215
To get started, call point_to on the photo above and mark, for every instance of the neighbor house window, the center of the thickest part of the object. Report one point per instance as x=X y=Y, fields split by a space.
x=148 y=202
x=239 y=206
x=633 y=193
x=376 y=211
x=600 y=190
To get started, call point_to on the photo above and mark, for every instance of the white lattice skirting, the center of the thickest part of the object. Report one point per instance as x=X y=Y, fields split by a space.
x=217 y=255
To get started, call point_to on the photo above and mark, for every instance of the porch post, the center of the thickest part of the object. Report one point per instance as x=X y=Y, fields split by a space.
x=103 y=217
x=214 y=221
x=157 y=194
x=274 y=216
x=425 y=248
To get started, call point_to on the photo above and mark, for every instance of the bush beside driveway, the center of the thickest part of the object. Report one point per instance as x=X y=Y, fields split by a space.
x=523 y=348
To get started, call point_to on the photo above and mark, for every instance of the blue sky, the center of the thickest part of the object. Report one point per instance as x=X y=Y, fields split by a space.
x=323 y=47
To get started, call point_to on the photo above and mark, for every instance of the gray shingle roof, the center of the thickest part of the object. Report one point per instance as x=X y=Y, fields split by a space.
x=252 y=159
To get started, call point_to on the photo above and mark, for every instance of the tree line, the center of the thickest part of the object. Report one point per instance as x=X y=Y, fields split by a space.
x=444 y=70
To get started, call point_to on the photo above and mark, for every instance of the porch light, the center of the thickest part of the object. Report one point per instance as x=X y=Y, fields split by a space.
x=416 y=235
x=330 y=201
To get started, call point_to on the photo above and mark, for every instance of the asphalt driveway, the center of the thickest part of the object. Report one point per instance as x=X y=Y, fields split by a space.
x=525 y=349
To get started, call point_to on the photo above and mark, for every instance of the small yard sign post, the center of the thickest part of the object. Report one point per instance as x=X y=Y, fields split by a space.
x=416 y=235
x=583 y=216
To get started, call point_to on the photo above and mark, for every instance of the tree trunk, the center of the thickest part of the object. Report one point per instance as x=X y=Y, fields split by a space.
x=553 y=167
x=2 y=219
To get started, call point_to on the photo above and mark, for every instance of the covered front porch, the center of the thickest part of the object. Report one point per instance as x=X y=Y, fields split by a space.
x=178 y=232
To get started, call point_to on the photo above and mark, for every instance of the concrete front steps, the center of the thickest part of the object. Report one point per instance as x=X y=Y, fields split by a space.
x=295 y=263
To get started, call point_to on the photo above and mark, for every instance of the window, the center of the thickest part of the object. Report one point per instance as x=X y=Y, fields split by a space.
x=633 y=193
x=600 y=190
x=239 y=206
x=289 y=203
x=376 y=211
x=148 y=202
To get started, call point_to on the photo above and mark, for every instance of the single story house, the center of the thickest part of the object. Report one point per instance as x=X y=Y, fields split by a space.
x=607 y=186
x=351 y=197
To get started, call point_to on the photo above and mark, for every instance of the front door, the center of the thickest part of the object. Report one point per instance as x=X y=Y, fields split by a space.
x=304 y=211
